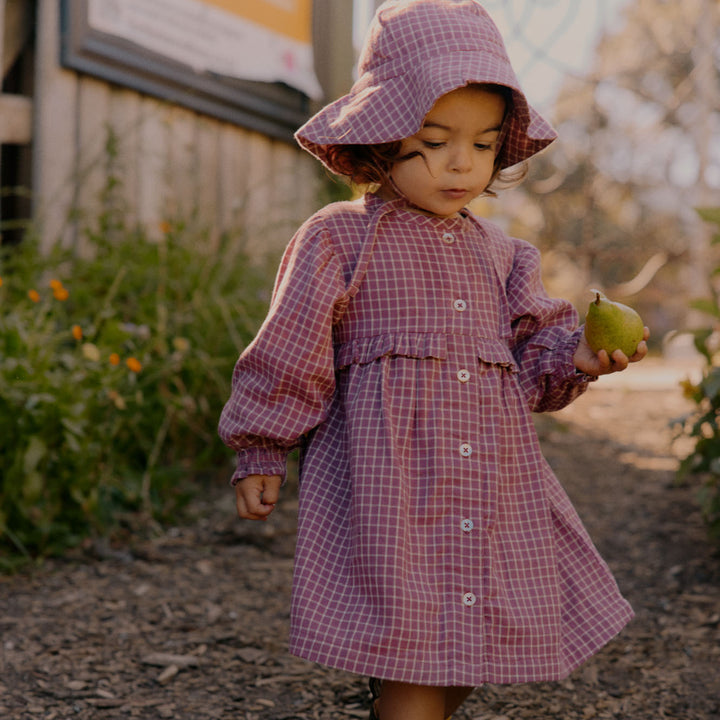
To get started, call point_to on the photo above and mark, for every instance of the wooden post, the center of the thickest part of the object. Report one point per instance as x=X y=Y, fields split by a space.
x=334 y=52
x=2 y=34
x=15 y=110
x=55 y=147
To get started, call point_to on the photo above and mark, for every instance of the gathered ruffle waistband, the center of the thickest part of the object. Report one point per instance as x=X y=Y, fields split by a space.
x=419 y=345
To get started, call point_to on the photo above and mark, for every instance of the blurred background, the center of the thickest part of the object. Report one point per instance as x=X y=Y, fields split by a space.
x=631 y=85
x=149 y=181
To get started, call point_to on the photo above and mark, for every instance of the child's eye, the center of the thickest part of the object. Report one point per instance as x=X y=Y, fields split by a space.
x=432 y=145
x=484 y=146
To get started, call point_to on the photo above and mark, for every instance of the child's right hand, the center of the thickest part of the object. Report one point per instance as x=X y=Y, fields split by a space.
x=256 y=496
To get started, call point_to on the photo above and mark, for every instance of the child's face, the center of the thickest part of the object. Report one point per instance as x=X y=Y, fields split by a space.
x=452 y=157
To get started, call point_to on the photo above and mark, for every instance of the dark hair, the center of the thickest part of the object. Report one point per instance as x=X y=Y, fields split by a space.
x=365 y=165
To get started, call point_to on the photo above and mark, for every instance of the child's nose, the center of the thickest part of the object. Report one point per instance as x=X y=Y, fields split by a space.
x=461 y=160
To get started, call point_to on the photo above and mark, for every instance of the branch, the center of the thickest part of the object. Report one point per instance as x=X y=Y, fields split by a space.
x=642 y=279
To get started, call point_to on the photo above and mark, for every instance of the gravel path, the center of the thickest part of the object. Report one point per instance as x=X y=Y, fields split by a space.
x=192 y=623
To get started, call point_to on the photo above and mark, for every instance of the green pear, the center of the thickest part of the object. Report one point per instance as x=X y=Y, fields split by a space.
x=611 y=326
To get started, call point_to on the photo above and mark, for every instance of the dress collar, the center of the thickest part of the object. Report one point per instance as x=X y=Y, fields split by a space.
x=374 y=202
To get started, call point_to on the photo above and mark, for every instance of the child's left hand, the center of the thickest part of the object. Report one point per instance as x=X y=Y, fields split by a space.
x=588 y=362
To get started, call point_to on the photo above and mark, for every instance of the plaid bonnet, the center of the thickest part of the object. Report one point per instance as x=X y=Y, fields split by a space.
x=415 y=52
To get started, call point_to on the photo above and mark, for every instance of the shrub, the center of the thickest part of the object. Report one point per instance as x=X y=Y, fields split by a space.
x=702 y=424
x=113 y=371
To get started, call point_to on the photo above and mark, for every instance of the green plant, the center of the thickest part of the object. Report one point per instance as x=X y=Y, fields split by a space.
x=702 y=425
x=114 y=367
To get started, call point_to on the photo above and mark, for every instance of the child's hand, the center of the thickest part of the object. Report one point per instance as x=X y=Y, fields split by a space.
x=602 y=364
x=256 y=496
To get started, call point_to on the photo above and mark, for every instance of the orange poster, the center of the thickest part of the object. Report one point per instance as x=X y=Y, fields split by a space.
x=292 y=18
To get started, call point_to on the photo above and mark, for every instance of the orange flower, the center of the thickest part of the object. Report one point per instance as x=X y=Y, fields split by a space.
x=114 y=359
x=0 y=282
x=165 y=227
x=55 y=284
x=61 y=294
x=77 y=332
x=34 y=295
x=133 y=364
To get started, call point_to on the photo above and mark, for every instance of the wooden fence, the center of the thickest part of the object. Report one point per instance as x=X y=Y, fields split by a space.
x=171 y=163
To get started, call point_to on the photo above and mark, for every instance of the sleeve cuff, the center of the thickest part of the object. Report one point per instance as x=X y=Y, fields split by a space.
x=565 y=369
x=260 y=461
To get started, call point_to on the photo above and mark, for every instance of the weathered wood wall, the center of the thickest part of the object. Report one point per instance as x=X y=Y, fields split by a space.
x=173 y=163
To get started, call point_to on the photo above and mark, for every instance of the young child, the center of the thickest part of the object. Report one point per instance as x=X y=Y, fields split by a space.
x=407 y=344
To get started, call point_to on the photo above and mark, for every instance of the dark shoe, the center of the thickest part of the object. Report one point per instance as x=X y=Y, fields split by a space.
x=375 y=686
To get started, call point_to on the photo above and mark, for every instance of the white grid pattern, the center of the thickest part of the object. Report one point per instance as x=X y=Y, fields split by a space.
x=415 y=52
x=368 y=378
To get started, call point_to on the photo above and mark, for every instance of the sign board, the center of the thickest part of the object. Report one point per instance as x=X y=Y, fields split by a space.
x=246 y=61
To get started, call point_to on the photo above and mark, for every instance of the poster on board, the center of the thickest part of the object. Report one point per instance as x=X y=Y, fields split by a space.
x=259 y=40
x=248 y=62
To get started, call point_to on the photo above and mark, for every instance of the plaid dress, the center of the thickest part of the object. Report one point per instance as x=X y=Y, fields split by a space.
x=404 y=354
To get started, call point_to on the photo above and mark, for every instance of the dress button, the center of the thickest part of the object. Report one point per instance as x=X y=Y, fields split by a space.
x=460 y=305
x=463 y=375
x=448 y=238
x=469 y=599
x=466 y=449
x=467 y=525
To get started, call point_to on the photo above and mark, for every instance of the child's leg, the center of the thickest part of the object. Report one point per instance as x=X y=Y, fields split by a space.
x=401 y=701
x=454 y=698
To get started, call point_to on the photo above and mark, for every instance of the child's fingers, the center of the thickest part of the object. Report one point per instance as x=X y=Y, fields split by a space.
x=604 y=362
x=271 y=490
x=640 y=353
x=249 y=497
x=252 y=504
x=642 y=347
x=619 y=360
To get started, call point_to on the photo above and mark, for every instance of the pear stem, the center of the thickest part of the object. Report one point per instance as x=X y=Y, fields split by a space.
x=597 y=298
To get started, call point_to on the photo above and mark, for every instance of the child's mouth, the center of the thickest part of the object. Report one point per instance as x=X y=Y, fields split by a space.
x=455 y=193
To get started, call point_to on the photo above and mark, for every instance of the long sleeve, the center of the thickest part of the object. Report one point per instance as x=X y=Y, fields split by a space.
x=283 y=383
x=545 y=336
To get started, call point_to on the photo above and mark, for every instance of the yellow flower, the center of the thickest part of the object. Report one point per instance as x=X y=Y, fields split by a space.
x=117 y=399
x=34 y=295
x=181 y=344
x=133 y=364
x=689 y=388
x=77 y=332
x=114 y=359
x=61 y=294
x=91 y=352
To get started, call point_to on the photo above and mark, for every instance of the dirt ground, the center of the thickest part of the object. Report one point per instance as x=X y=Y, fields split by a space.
x=191 y=623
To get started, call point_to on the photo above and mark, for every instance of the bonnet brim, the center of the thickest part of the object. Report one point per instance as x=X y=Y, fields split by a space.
x=390 y=99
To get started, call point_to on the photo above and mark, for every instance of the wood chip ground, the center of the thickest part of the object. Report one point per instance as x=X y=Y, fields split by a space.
x=191 y=623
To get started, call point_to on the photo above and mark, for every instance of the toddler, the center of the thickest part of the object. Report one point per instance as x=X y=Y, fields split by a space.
x=407 y=344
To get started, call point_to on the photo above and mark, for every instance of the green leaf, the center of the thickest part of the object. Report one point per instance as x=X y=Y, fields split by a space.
x=32 y=486
x=34 y=453
x=709 y=214
x=707 y=306
x=711 y=383
x=76 y=428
